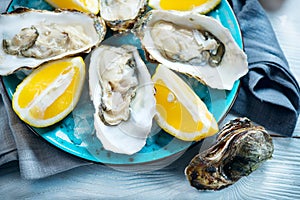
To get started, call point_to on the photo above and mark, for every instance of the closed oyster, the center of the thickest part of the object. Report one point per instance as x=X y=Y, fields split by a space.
x=193 y=44
x=32 y=37
x=241 y=147
x=120 y=15
x=123 y=96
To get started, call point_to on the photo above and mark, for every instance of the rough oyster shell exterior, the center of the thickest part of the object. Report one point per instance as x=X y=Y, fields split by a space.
x=241 y=148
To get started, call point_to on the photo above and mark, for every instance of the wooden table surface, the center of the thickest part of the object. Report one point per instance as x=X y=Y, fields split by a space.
x=278 y=178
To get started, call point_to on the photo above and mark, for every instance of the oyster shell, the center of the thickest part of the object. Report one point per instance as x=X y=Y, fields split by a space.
x=123 y=96
x=241 y=147
x=120 y=15
x=193 y=44
x=31 y=37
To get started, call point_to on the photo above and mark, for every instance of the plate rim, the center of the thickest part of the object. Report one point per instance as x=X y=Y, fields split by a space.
x=223 y=116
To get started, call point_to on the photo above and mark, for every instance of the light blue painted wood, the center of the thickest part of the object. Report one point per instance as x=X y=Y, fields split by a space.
x=286 y=24
x=277 y=178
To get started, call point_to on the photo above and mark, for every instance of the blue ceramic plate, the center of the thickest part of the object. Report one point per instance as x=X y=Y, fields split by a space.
x=75 y=134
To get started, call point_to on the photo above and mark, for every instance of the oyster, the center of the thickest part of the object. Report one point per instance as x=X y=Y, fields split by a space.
x=32 y=37
x=239 y=150
x=123 y=96
x=120 y=15
x=193 y=44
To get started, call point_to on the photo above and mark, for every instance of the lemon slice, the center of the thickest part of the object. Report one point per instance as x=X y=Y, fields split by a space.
x=180 y=112
x=200 y=6
x=50 y=92
x=88 y=6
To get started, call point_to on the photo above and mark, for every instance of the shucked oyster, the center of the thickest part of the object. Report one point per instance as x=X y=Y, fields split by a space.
x=121 y=14
x=32 y=37
x=193 y=44
x=239 y=150
x=123 y=96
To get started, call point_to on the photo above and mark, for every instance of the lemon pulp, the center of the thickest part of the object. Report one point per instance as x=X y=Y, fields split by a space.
x=167 y=103
x=180 y=4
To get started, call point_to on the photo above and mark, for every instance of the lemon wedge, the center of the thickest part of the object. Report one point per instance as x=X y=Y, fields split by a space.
x=200 y=6
x=88 y=6
x=50 y=92
x=180 y=112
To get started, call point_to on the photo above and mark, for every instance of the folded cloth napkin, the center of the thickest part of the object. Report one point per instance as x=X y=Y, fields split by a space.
x=269 y=94
x=269 y=86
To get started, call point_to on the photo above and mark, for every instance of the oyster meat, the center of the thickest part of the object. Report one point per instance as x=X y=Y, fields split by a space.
x=46 y=40
x=193 y=44
x=120 y=15
x=31 y=37
x=123 y=96
x=118 y=78
x=241 y=147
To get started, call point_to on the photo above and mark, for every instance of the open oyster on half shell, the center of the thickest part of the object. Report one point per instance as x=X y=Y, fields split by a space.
x=31 y=37
x=123 y=96
x=241 y=148
x=121 y=14
x=193 y=44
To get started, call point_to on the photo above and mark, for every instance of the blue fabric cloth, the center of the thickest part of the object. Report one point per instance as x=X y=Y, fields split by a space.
x=269 y=94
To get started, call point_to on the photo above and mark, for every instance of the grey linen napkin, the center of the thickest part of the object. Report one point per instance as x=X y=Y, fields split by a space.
x=269 y=83
x=269 y=94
